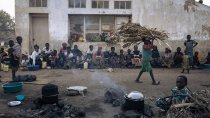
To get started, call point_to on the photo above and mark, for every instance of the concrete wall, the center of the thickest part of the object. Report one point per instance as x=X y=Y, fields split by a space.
x=177 y=17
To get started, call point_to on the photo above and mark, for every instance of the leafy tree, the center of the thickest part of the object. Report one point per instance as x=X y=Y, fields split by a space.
x=7 y=26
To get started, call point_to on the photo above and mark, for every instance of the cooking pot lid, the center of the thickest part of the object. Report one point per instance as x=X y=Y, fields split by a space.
x=135 y=95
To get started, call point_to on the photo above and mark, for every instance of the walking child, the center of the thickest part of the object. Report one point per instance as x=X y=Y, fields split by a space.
x=146 y=66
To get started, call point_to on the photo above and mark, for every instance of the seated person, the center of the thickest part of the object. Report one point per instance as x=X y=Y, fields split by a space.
x=178 y=57
x=75 y=52
x=61 y=55
x=196 y=59
x=3 y=54
x=68 y=58
x=129 y=59
x=106 y=58
x=80 y=60
x=167 y=58
x=113 y=58
x=122 y=59
x=98 y=57
x=136 y=56
x=155 y=57
x=208 y=58
x=46 y=53
x=3 y=57
x=63 y=48
x=89 y=56
x=36 y=57
x=54 y=59
x=180 y=94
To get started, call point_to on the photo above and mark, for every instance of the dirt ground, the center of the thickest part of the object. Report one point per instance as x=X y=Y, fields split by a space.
x=97 y=83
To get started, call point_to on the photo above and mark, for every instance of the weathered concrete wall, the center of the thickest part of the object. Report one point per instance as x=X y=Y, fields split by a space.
x=177 y=17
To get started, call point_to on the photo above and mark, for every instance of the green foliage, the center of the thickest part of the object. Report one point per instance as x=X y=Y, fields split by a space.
x=7 y=26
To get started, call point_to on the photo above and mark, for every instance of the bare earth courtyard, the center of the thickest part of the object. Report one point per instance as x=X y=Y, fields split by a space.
x=97 y=83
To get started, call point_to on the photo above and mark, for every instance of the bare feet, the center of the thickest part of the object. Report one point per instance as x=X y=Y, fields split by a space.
x=137 y=81
x=156 y=83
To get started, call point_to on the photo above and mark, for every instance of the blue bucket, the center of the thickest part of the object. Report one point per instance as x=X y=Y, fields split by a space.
x=207 y=66
x=33 y=68
x=12 y=87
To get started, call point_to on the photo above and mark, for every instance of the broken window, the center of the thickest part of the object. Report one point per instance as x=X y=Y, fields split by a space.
x=122 y=4
x=77 y=3
x=101 y=4
x=92 y=28
x=37 y=3
x=76 y=27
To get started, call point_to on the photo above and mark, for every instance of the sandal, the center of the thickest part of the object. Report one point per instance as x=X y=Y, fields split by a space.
x=137 y=81
x=156 y=83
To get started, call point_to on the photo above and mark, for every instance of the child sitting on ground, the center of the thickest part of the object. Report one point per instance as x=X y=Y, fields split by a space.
x=122 y=59
x=106 y=58
x=53 y=59
x=113 y=58
x=185 y=63
x=68 y=58
x=129 y=59
x=98 y=58
x=180 y=94
x=89 y=56
x=136 y=56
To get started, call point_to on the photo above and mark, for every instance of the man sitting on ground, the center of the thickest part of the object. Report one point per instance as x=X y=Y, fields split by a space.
x=46 y=53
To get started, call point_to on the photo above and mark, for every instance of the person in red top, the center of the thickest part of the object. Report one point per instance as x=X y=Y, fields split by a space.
x=98 y=57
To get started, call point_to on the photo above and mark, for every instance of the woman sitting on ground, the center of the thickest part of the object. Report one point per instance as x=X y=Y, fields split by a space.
x=98 y=57
x=36 y=57
x=167 y=58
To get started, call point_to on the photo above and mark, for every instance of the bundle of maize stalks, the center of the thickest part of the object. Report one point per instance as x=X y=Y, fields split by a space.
x=133 y=33
x=199 y=107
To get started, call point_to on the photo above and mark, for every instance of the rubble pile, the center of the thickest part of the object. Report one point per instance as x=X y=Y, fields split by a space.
x=133 y=33
x=198 y=107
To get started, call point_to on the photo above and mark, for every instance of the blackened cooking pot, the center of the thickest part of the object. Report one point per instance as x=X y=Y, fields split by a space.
x=134 y=101
x=49 y=94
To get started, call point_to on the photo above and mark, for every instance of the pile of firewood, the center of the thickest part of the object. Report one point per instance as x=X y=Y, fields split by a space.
x=199 y=107
x=133 y=33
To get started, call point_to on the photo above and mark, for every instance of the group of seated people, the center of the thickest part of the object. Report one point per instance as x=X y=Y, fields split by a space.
x=74 y=58
x=169 y=60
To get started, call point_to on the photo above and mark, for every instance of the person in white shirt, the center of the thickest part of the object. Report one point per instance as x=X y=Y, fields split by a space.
x=89 y=55
x=35 y=58
x=68 y=58
x=46 y=52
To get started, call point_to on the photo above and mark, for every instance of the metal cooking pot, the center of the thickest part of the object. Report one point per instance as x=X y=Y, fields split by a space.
x=134 y=101
x=135 y=96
